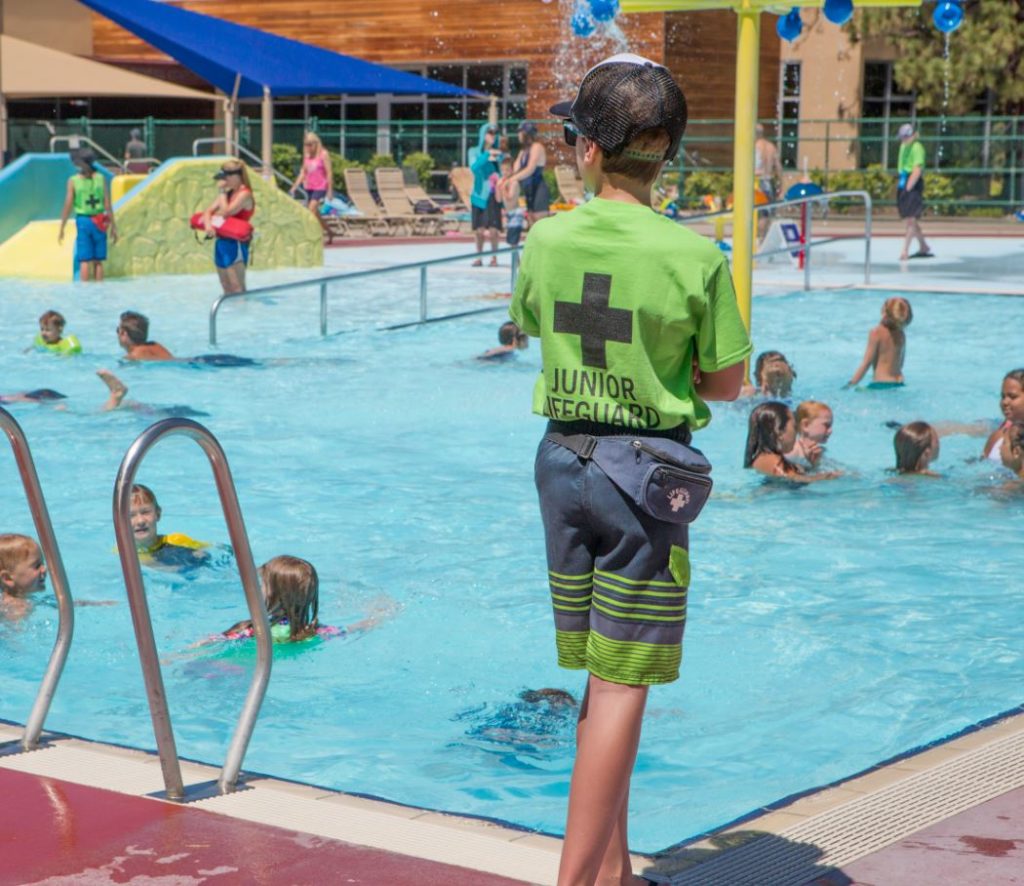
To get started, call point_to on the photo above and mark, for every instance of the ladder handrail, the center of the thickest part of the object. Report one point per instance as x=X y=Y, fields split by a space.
x=55 y=569
x=253 y=157
x=72 y=144
x=322 y=282
x=143 y=624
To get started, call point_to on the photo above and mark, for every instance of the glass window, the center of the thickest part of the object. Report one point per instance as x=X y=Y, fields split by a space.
x=517 y=81
x=486 y=78
x=447 y=73
x=789 y=136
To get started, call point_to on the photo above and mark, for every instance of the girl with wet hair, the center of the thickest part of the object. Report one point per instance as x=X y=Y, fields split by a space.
x=291 y=592
x=771 y=433
x=1011 y=403
x=773 y=376
x=917 y=446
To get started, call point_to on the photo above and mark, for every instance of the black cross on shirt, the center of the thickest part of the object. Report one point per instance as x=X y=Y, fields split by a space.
x=94 y=201
x=594 y=321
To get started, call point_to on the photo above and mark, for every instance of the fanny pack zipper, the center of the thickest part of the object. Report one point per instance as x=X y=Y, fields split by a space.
x=639 y=446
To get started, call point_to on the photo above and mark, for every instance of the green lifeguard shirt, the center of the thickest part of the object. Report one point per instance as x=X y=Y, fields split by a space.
x=88 y=194
x=910 y=156
x=621 y=299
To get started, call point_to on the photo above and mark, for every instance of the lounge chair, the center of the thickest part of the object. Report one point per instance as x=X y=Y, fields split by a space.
x=391 y=190
x=461 y=178
x=569 y=185
x=395 y=178
x=382 y=222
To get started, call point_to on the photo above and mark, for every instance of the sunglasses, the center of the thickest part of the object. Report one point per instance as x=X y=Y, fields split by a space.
x=570 y=133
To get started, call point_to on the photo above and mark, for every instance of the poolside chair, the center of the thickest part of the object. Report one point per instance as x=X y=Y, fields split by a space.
x=569 y=185
x=395 y=178
x=391 y=190
x=461 y=178
x=358 y=187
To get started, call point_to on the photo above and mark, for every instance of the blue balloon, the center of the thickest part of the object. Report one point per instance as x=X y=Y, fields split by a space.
x=604 y=10
x=948 y=16
x=838 y=11
x=789 y=26
x=582 y=24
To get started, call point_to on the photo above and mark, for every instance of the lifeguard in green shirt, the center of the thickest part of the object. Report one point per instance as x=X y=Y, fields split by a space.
x=89 y=197
x=910 y=191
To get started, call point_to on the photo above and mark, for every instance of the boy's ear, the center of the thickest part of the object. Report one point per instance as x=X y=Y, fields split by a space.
x=6 y=579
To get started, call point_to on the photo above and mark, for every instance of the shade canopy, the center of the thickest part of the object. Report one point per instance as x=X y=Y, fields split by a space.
x=225 y=53
x=28 y=70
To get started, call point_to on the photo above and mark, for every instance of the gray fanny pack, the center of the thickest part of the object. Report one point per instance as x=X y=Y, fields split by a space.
x=666 y=479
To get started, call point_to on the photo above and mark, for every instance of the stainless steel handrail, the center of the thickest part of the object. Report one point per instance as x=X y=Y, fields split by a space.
x=55 y=568
x=322 y=282
x=73 y=141
x=807 y=246
x=132 y=570
x=252 y=156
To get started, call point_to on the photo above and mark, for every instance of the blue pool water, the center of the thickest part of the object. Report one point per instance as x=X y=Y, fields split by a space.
x=830 y=627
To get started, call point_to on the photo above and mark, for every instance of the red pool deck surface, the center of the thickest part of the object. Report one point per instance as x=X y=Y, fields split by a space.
x=983 y=846
x=57 y=833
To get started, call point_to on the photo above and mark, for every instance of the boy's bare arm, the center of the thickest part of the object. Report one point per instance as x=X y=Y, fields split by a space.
x=870 y=356
x=724 y=384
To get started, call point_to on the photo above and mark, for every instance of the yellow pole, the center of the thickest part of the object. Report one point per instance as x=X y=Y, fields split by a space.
x=748 y=49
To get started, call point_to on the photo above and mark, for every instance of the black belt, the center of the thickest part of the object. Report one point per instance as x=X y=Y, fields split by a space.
x=680 y=433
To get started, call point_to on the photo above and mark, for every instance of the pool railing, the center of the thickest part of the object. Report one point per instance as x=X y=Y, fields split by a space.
x=143 y=625
x=324 y=282
x=54 y=568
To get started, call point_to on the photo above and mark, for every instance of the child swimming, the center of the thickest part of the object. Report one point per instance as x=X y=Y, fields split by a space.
x=22 y=573
x=771 y=432
x=887 y=345
x=291 y=592
x=813 y=428
x=773 y=376
x=917 y=446
x=176 y=552
x=133 y=336
x=511 y=339
x=1011 y=403
x=51 y=336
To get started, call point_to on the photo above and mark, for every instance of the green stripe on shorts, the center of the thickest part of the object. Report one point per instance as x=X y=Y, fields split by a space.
x=640 y=664
x=572 y=649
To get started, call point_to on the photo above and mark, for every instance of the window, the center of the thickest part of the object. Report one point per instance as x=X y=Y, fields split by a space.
x=789 y=106
x=883 y=108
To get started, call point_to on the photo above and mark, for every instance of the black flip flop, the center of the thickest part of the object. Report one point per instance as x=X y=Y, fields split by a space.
x=921 y=254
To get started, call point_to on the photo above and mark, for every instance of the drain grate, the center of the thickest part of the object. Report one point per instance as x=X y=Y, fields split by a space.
x=809 y=849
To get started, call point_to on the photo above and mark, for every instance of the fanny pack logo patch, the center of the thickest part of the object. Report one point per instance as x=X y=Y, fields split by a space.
x=678 y=499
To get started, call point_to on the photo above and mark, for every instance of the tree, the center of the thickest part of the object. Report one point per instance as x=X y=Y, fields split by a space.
x=985 y=53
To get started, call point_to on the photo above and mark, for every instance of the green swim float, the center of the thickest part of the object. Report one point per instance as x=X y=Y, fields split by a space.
x=65 y=347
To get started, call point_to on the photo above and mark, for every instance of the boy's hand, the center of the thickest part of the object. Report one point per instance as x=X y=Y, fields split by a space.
x=813 y=451
x=60 y=235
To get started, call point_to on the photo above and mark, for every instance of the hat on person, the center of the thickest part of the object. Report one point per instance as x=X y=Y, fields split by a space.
x=623 y=96
x=230 y=167
x=528 y=128
x=85 y=157
x=906 y=130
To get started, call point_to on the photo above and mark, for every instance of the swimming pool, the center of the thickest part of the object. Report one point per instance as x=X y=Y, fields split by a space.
x=830 y=627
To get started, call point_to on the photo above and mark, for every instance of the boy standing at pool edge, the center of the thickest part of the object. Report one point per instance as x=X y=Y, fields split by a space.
x=625 y=303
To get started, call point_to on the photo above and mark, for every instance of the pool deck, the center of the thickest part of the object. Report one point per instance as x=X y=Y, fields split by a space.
x=80 y=812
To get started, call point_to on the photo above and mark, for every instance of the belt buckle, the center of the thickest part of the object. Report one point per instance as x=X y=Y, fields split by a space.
x=588 y=446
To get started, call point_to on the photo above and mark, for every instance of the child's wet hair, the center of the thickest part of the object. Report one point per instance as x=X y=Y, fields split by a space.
x=52 y=318
x=765 y=426
x=910 y=443
x=291 y=590
x=767 y=358
x=897 y=313
x=135 y=326
x=810 y=410
x=1016 y=375
x=144 y=494
x=1015 y=436
x=508 y=333
x=15 y=549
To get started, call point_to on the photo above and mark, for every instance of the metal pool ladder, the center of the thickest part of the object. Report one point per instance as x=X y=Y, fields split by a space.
x=55 y=568
x=143 y=625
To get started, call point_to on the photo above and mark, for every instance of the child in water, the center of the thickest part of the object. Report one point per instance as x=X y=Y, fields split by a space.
x=22 y=573
x=291 y=592
x=1011 y=402
x=917 y=446
x=1013 y=448
x=51 y=336
x=176 y=552
x=773 y=376
x=771 y=433
x=813 y=428
x=511 y=339
x=887 y=346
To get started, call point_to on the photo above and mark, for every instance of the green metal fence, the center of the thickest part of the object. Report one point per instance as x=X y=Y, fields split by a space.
x=974 y=163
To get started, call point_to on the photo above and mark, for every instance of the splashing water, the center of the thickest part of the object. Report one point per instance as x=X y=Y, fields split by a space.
x=575 y=54
x=945 y=100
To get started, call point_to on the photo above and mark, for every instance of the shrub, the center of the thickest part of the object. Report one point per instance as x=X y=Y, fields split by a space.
x=378 y=160
x=286 y=160
x=552 y=183
x=986 y=212
x=939 y=195
x=423 y=164
x=699 y=183
x=338 y=166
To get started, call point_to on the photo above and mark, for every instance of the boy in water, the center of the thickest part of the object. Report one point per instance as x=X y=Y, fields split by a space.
x=51 y=336
x=133 y=336
x=89 y=197
x=22 y=573
x=887 y=346
x=176 y=551
x=510 y=339
x=623 y=301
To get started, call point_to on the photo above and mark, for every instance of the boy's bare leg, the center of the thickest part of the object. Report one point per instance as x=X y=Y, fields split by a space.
x=908 y=238
x=607 y=738
x=494 y=246
x=83 y=271
x=117 y=388
x=919 y=234
x=97 y=271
